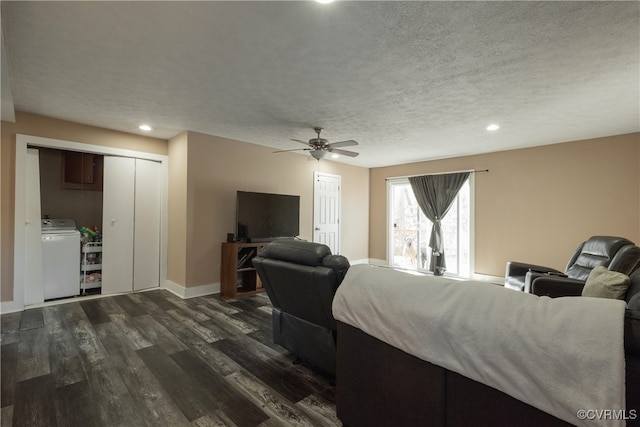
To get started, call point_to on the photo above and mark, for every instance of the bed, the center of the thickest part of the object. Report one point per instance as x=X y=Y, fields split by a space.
x=407 y=355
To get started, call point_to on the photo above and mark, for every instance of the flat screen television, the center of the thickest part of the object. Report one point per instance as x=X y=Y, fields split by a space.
x=262 y=217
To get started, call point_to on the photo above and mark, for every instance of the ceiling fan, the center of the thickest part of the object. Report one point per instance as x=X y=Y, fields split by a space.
x=319 y=148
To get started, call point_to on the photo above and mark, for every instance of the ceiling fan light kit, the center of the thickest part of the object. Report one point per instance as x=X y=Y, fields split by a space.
x=319 y=148
x=318 y=154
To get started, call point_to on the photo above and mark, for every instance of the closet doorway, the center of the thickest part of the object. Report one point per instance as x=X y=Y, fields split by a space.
x=132 y=216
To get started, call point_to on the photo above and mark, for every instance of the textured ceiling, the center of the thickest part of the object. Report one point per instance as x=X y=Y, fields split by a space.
x=409 y=81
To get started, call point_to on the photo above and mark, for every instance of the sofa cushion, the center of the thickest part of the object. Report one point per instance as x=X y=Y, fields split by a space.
x=603 y=283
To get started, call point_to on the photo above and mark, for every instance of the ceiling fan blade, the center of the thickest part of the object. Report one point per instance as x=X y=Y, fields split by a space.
x=345 y=153
x=348 y=143
x=294 y=149
x=301 y=142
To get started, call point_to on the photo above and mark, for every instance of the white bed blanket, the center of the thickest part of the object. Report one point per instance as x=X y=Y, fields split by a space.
x=559 y=355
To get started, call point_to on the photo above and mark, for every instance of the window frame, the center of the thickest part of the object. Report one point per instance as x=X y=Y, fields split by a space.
x=390 y=229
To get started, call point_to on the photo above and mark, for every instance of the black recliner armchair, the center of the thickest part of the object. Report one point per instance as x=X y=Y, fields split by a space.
x=301 y=279
x=616 y=253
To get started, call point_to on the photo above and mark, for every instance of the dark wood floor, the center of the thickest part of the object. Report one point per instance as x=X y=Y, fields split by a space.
x=153 y=359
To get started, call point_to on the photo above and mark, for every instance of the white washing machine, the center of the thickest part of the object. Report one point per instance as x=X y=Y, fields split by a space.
x=60 y=258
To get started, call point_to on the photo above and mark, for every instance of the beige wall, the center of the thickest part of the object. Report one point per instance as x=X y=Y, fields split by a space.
x=536 y=204
x=204 y=174
x=31 y=124
x=218 y=167
x=177 y=210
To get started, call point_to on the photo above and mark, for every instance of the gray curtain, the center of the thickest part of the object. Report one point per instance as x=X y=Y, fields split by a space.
x=435 y=195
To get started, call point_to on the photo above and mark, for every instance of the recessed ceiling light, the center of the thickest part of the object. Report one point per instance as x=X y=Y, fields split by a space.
x=324 y=1
x=493 y=127
x=145 y=127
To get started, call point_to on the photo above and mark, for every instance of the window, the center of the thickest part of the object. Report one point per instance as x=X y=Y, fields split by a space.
x=410 y=230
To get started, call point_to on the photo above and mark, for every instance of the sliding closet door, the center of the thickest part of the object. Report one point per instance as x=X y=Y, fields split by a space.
x=146 y=259
x=117 y=226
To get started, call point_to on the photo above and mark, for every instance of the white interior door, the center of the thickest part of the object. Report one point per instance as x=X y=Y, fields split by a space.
x=148 y=195
x=34 y=288
x=117 y=227
x=326 y=210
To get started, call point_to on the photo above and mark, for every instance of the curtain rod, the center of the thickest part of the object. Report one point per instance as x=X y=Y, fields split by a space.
x=438 y=173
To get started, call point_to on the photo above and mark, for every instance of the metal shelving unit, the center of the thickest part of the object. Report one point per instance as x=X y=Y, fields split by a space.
x=91 y=266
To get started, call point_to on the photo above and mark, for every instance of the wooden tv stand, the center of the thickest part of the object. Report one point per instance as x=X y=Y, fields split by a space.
x=237 y=275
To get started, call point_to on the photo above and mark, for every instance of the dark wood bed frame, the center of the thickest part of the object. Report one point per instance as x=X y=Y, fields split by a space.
x=380 y=385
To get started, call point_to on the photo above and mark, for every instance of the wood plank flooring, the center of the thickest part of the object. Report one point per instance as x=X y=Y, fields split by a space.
x=153 y=359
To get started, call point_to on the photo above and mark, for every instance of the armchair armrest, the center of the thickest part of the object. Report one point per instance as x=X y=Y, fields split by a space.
x=533 y=275
x=515 y=268
x=519 y=274
x=556 y=286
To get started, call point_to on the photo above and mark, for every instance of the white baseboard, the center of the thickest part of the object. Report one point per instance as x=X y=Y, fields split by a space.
x=214 y=288
x=181 y=291
x=10 y=307
x=371 y=261
x=488 y=278
x=196 y=291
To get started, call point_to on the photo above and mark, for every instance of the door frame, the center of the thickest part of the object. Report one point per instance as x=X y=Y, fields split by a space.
x=33 y=235
x=316 y=206
x=19 y=263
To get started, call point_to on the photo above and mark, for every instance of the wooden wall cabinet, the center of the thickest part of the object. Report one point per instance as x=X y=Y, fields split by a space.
x=238 y=277
x=81 y=171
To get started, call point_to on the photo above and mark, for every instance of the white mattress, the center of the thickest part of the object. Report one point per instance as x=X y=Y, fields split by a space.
x=559 y=355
